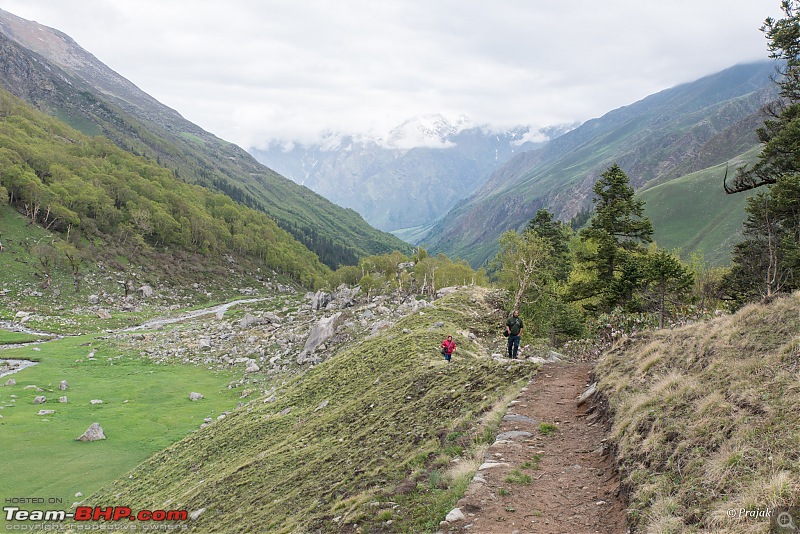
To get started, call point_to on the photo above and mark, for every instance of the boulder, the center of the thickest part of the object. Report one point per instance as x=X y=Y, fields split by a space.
x=40 y=399
x=248 y=320
x=93 y=433
x=455 y=515
x=320 y=300
x=63 y=385
x=194 y=396
x=587 y=394
x=323 y=330
x=146 y=291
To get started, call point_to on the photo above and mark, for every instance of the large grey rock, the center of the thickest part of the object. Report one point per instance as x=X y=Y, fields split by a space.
x=194 y=396
x=40 y=399
x=320 y=300
x=455 y=515
x=323 y=330
x=146 y=291
x=248 y=320
x=588 y=394
x=93 y=433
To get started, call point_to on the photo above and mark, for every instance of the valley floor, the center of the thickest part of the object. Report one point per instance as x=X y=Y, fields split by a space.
x=549 y=471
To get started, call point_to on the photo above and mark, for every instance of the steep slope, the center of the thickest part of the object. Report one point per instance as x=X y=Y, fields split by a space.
x=676 y=131
x=679 y=224
x=49 y=70
x=368 y=436
x=395 y=186
x=705 y=421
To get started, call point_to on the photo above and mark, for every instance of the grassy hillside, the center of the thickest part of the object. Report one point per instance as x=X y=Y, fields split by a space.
x=706 y=420
x=694 y=214
x=383 y=431
x=103 y=202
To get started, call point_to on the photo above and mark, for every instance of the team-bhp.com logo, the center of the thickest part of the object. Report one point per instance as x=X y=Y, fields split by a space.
x=96 y=513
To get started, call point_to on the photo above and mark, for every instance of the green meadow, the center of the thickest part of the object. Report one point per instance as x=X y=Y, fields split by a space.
x=145 y=409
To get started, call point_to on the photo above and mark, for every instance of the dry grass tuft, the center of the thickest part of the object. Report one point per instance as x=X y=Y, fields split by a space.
x=706 y=419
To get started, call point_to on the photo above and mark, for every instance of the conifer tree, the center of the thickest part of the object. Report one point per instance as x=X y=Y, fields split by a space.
x=618 y=228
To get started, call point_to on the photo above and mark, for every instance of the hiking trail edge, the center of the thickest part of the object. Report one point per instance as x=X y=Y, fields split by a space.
x=550 y=470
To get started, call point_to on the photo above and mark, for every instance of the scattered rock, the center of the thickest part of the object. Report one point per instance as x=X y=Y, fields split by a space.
x=490 y=465
x=455 y=515
x=194 y=396
x=40 y=399
x=587 y=394
x=146 y=291
x=248 y=320
x=95 y=401
x=323 y=330
x=45 y=412
x=93 y=433
x=63 y=400
x=63 y=385
x=11 y=382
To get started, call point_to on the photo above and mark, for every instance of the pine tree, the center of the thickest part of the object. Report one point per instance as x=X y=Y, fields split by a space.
x=618 y=228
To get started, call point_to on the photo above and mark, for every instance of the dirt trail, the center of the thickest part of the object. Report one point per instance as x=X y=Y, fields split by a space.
x=572 y=486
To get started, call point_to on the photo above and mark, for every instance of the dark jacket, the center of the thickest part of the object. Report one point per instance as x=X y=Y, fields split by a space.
x=515 y=325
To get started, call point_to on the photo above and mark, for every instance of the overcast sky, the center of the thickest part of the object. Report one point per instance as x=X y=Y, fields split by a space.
x=250 y=71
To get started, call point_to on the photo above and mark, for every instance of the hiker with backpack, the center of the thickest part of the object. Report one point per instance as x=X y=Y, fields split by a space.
x=514 y=332
x=448 y=348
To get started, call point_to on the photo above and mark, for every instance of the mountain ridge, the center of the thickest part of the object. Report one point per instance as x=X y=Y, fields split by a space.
x=657 y=137
x=57 y=76
x=404 y=180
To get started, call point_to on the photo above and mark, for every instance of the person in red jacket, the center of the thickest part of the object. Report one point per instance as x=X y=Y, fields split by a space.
x=448 y=348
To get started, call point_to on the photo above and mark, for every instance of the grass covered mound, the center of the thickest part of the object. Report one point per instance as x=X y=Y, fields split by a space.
x=706 y=420
x=384 y=435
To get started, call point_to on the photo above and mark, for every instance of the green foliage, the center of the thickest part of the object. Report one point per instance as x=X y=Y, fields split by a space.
x=667 y=281
x=77 y=185
x=767 y=262
x=547 y=428
x=618 y=228
x=518 y=477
